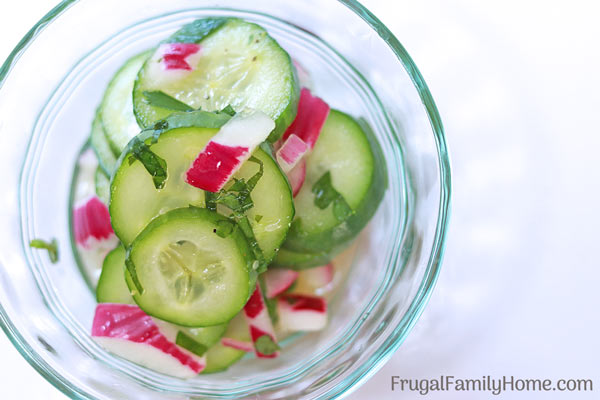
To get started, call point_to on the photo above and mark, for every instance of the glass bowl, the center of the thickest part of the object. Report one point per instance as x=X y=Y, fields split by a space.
x=49 y=88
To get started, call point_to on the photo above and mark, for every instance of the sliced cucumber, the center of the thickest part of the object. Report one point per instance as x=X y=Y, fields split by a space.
x=111 y=285
x=189 y=275
x=219 y=357
x=112 y=288
x=102 y=185
x=106 y=157
x=116 y=109
x=238 y=64
x=358 y=172
x=135 y=201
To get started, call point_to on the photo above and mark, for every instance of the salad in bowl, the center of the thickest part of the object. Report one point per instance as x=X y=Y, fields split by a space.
x=213 y=197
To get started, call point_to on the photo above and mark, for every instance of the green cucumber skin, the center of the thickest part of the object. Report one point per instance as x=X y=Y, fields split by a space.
x=219 y=357
x=207 y=336
x=114 y=145
x=188 y=214
x=111 y=285
x=106 y=157
x=289 y=259
x=287 y=116
x=327 y=240
x=212 y=25
x=102 y=183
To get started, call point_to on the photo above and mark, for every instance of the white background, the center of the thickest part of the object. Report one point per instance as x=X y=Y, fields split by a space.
x=517 y=84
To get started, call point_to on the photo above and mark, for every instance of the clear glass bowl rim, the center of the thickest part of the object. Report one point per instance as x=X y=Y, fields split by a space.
x=435 y=259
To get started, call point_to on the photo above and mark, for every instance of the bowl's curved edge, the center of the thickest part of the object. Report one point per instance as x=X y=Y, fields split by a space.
x=435 y=259
x=5 y=323
x=436 y=256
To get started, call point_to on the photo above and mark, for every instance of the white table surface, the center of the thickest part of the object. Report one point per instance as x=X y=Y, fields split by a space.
x=517 y=84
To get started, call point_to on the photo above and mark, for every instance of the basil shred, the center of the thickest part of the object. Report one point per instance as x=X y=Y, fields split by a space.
x=325 y=194
x=52 y=248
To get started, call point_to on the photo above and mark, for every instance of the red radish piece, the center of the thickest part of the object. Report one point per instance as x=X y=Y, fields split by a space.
x=302 y=313
x=319 y=277
x=291 y=152
x=237 y=344
x=279 y=280
x=128 y=332
x=174 y=55
x=296 y=177
x=225 y=153
x=259 y=322
x=91 y=222
x=312 y=113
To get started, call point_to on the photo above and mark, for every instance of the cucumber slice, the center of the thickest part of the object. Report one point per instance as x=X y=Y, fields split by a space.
x=190 y=275
x=135 y=201
x=106 y=157
x=102 y=185
x=237 y=64
x=111 y=285
x=358 y=173
x=219 y=357
x=112 y=288
x=116 y=109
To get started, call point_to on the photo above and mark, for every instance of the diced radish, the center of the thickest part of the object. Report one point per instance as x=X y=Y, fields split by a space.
x=279 y=280
x=296 y=177
x=318 y=277
x=303 y=76
x=91 y=220
x=291 y=152
x=228 y=150
x=301 y=312
x=128 y=332
x=175 y=55
x=259 y=322
x=171 y=62
x=312 y=113
x=237 y=344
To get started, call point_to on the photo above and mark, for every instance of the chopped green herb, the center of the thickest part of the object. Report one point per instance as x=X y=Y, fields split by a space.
x=156 y=166
x=265 y=345
x=131 y=270
x=52 y=248
x=160 y=99
x=325 y=194
x=227 y=110
x=197 y=30
x=246 y=229
x=270 y=303
x=190 y=344
x=210 y=200
x=258 y=218
x=237 y=198
x=159 y=128
x=225 y=228
x=292 y=287
x=256 y=177
x=341 y=209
